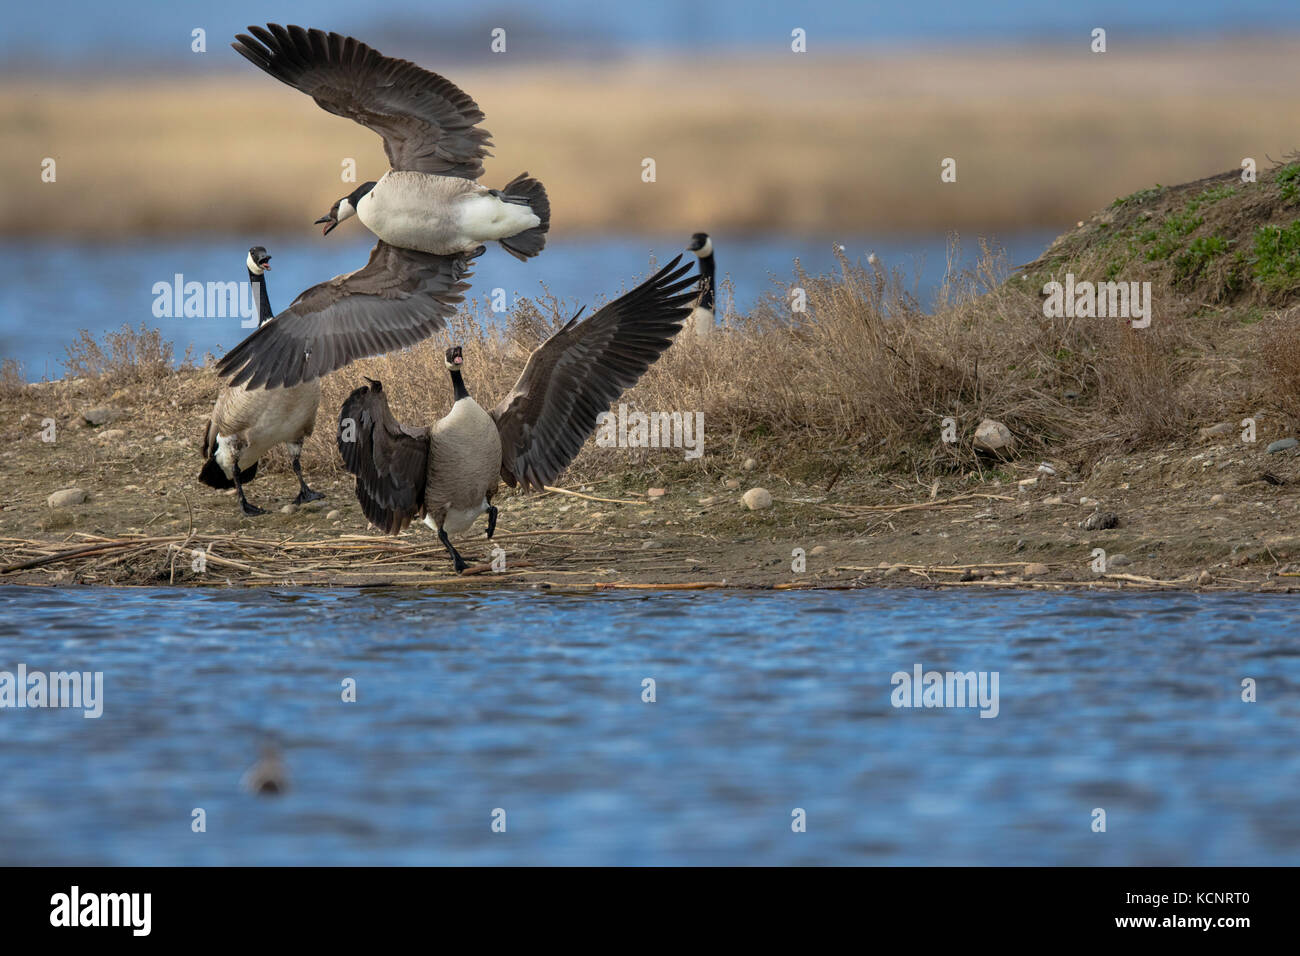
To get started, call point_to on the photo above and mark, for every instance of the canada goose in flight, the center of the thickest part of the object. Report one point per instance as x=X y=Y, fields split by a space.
x=429 y=200
x=449 y=473
x=702 y=314
x=430 y=216
x=246 y=423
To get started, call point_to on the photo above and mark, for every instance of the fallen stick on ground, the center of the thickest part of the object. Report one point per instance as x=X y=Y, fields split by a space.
x=579 y=494
x=85 y=551
x=688 y=586
x=919 y=505
x=485 y=568
x=1173 y=582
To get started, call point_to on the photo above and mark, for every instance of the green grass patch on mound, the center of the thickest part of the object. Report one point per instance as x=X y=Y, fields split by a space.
x=1139 y=197
x=1288 y=180
x=1275 y=263
x=1210 y=196
x=1200 y=251
x=1164 y=240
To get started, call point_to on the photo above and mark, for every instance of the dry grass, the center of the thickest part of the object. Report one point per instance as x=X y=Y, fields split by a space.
x=126 y=357
x=842 y=407
x=862 y=375
x=1279 y=361
x=864 y=380
x=13 y=380
x=816 y=143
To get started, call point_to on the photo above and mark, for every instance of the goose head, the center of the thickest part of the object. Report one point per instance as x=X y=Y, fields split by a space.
x=259 y=260
x=701 y=245
x=455 y=358
x=345 y=208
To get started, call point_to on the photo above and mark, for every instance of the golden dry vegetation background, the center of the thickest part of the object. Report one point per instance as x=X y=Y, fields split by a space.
x=1042 y=136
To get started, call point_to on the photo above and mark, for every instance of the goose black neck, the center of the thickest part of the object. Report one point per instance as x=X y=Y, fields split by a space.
x=264 y=312
x=706 y=283
x=458 y=384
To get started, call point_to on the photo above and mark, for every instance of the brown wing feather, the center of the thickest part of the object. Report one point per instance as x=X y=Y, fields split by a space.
x=390 y=460
x=428 y=123
x=397 y=299
x=576 y=373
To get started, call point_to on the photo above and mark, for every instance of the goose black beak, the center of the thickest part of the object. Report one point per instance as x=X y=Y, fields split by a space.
x=331 y=223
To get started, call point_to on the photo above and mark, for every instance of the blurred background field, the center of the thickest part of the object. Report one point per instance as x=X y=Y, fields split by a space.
x=172 y=162
x=802 y=144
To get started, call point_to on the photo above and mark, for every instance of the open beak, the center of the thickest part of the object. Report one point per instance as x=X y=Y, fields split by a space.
x=330 y=222
x=266 y=263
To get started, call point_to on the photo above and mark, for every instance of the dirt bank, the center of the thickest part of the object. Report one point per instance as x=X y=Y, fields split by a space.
x=1211 y=514
x=1159 y=456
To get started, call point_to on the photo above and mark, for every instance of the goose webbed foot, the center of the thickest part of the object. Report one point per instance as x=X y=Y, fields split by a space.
x=251 y=510
x=492 y=521
x=456 y=559
x=305 y=494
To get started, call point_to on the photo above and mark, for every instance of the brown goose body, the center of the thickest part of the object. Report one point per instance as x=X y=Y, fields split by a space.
x=247 y=422
x=256 y=420
x=464 y=467
x=448 y=474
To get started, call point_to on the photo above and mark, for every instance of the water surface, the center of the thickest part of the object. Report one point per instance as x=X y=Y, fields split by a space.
x=532 y=702
x=50 y=290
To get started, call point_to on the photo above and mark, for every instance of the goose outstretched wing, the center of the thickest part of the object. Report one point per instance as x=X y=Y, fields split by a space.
x=398 y=298
x=575 y=374
x=427 y=122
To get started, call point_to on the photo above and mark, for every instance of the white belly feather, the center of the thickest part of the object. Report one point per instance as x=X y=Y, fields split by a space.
x=443 y=215
x=485 y=217
x=458 y=519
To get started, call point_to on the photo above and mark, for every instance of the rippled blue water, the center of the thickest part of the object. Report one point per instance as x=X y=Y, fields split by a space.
x=531 y=702
x=50 y=290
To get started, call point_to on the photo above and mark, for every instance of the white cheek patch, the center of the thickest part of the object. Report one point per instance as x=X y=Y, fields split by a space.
x=253 y=267
x=705 y=250
x=346 y=211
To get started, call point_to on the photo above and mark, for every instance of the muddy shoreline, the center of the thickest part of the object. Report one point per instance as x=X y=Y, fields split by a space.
x=1210 y=514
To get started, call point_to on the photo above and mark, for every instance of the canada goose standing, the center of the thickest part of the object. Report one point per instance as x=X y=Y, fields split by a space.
x=247 y=422
x=702 y=314
x=449 y=473
x=429 y=200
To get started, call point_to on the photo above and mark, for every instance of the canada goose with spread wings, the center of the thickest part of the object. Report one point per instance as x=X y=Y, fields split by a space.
x=448 y=473
x=429 y=200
